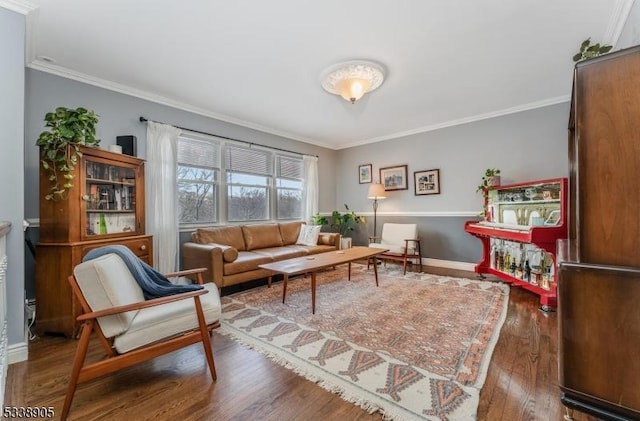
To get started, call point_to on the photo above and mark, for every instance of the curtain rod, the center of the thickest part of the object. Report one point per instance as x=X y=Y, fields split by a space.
x=144 y=120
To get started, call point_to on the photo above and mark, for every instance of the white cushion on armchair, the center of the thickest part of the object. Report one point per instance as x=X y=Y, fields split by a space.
x=107 y=282
x=393 y=236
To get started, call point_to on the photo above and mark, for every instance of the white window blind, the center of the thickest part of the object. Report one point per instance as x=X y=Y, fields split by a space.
x=288 y=167
x=198 y=153
x=247 y=160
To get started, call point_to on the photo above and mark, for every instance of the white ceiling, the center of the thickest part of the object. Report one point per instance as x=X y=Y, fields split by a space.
x=258 y=63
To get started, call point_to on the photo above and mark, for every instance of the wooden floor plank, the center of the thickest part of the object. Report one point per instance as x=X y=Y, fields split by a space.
x=521 y=383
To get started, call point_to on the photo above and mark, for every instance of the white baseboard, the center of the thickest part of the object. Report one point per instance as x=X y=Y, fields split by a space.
x=17 y=352
x=449 y=264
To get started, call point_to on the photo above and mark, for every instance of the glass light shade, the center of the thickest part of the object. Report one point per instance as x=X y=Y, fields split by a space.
x=352 y=79
x=376 y=191
x=353 y=89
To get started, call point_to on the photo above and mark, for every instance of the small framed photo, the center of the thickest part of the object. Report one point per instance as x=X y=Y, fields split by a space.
x=364 y=173
x=426 y=182
x=394 y=178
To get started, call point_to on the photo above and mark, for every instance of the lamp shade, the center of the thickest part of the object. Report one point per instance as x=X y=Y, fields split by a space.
x=376 y=191
x=352 y=79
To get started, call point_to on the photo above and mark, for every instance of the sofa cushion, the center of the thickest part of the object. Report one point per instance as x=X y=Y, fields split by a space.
x=261 y=236
x=246 y=261
x=154 y=323
x=230 y=235
x=314 y=249
x=289 y=232
x=106 y=282
x=281 y=253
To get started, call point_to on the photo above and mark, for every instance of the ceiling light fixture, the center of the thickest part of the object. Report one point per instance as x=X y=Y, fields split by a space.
x=352 y=79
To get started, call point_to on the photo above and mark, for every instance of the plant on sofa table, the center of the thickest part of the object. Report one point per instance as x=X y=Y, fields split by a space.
x=60 y=146
x=344 y=222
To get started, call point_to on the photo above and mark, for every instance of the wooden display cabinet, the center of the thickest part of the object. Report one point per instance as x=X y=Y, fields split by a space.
x=599 y=289
x=518 y=238
x=104 y=207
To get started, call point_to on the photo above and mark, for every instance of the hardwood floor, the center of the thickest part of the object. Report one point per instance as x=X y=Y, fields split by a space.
x=521 y=383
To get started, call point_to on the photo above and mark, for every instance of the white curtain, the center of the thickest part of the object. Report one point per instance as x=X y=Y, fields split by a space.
x=161 y=194
x=310 y=164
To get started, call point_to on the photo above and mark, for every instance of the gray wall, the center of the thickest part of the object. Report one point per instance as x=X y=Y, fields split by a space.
x=630 y=34
x=528 y=145
x=12 y=35
x=119 y=115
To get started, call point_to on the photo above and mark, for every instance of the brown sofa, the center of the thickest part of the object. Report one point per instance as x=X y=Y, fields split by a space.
x=232 y=253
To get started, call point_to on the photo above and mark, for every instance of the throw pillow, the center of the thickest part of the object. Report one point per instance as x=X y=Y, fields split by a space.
x=309 y=235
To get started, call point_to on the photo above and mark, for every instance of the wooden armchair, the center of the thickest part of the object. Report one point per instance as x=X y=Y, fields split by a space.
x=402 y=243
x=130 y=329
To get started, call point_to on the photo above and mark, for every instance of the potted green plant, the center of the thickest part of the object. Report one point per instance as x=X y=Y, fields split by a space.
x=60 y=146
x=588 y=50
x=343 y=223
x=490 y=180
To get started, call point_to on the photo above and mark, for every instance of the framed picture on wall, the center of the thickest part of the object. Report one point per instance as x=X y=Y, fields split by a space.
x=394 y=178
x=426 y=182
x=364 y=173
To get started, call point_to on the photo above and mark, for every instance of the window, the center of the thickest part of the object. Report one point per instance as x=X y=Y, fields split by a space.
x=198 y=172
x=288 y=187
x=249 y=175
x=221 y=181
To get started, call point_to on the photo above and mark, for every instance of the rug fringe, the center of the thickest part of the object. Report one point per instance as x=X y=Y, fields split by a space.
x=367 y=405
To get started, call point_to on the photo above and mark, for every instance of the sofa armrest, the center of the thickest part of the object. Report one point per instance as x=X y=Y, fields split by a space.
x=329 y=239
x=204 y=256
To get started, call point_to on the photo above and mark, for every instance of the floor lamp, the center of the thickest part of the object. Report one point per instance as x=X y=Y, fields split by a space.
x=376 y=192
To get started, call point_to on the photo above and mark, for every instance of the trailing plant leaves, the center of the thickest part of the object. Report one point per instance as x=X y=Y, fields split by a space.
x=588 y=50
x=60 y=146
x=585 y=44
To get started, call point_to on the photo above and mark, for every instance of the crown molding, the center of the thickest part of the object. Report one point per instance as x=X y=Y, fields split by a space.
x=460 y=121
x=619 y=17
x=159 y=99
x=19 y=6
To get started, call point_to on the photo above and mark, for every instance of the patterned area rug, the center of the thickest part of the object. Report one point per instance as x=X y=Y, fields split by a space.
x=416 y=347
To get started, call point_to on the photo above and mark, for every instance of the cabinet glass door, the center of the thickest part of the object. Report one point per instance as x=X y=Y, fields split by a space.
x=109 y=197
x=527 y=205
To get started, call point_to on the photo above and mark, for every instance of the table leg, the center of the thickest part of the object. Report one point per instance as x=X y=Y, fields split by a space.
x=349 y=271
x=313 y=292
x=269 y=281
x=284 y=287
x=375 y=270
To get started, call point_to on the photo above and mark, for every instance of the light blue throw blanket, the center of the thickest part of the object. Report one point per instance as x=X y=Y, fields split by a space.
x=153 y=283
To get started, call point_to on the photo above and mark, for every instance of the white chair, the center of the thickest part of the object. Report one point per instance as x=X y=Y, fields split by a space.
x=130 y=328
x=402 y=243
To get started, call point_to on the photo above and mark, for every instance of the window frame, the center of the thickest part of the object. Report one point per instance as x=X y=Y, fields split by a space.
x=221 y=185
x=277 y=189
x=215 y=168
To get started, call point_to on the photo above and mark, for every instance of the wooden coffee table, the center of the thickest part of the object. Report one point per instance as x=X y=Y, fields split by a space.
x=312 y=264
